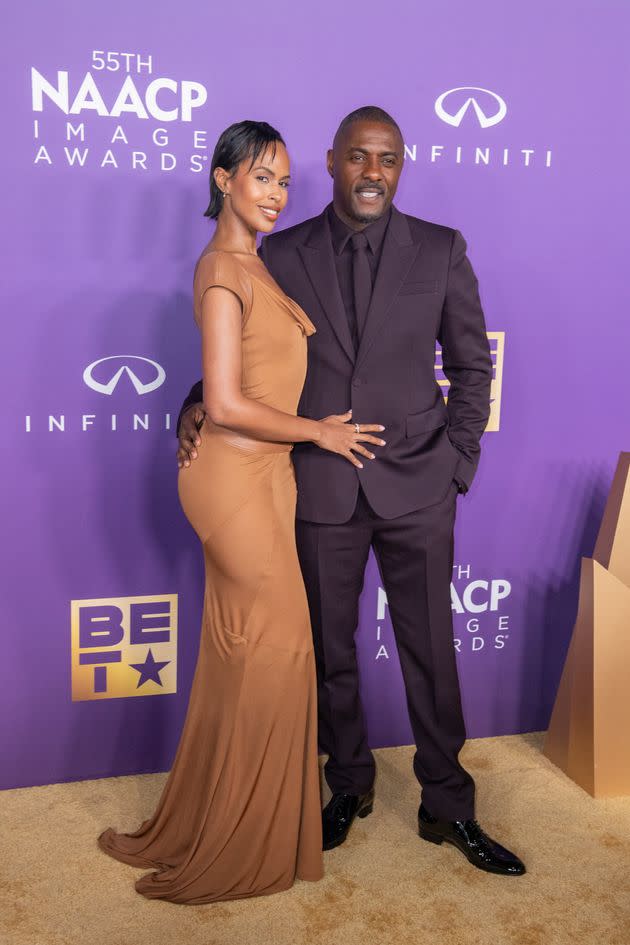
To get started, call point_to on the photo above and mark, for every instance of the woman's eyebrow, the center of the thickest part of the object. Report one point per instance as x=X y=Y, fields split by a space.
x=270 y=172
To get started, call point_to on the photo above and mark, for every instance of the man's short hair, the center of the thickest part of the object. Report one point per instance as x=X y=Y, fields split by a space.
x=366 y=113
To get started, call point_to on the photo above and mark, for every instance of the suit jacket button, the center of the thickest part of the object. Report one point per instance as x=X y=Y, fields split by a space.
x=357 y=382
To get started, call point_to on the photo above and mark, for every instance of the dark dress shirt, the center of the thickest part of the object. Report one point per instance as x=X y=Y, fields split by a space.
x=341 y=234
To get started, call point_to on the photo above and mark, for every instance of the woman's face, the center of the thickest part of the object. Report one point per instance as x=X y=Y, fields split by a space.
x=258 y=194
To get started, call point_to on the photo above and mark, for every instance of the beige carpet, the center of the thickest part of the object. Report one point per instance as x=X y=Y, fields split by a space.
x=385 y=886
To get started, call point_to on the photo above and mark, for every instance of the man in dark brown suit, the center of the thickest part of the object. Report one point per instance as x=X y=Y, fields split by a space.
x=381 y=287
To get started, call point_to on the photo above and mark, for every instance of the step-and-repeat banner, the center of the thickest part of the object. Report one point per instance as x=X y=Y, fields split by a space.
x=514 y=119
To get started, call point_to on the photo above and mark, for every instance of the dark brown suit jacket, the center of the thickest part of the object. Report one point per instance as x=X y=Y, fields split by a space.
x=425 y=290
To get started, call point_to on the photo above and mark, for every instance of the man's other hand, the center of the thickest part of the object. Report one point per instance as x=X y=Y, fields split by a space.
x=189 y=438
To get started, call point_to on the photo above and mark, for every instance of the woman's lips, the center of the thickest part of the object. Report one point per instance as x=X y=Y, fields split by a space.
x=270 y=212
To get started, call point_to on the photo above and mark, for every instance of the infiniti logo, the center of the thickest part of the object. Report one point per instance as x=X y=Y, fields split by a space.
x=492 y=100
x=141 y=387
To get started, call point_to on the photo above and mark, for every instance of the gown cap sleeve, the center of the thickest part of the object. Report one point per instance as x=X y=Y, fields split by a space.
x=218 y=268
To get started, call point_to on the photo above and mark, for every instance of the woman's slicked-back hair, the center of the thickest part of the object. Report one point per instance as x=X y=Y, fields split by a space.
x=245 y=139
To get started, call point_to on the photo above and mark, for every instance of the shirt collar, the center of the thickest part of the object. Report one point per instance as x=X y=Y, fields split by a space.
x=341 y=233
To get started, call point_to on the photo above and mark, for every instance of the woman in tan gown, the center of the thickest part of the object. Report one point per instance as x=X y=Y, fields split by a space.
x=240 y=813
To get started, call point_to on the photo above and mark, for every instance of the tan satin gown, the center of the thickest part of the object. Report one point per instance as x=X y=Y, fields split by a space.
x=240 y=813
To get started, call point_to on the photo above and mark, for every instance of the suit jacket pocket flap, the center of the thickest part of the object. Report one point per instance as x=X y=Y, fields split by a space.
x=427 y=420
x=413 y=288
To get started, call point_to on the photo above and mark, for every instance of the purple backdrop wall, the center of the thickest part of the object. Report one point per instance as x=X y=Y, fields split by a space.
x=105 y=180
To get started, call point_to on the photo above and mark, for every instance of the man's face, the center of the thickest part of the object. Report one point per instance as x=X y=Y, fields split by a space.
x=365 y=163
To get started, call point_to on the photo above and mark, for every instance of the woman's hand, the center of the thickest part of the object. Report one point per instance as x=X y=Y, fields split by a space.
x=338 y=435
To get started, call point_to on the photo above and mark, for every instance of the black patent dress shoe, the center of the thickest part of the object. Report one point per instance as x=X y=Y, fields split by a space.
x=478 y=848
x=338 y=814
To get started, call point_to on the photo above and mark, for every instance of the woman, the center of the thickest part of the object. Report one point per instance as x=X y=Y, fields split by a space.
x=240 y=813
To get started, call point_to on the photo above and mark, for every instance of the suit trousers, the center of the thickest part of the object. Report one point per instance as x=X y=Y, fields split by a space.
x=415 y=558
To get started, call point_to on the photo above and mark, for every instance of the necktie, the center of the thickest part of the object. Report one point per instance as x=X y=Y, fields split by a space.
x=362 y=281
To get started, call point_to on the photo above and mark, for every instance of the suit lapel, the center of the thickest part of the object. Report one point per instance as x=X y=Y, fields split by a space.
x=399 y=252
x=318 y=259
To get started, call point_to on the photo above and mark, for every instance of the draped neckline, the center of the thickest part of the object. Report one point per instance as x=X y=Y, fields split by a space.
x=297 y=311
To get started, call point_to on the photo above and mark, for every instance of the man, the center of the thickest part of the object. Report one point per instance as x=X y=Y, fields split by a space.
x=381 y=287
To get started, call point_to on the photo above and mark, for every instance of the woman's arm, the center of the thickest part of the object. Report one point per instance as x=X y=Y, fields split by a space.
x=227 y=406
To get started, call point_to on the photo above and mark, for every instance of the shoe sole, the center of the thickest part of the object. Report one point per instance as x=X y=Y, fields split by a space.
x=364 y=812
x=439 y=839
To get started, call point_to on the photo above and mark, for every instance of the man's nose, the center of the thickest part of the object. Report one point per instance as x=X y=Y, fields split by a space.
x=372 y=171
x=372 y=168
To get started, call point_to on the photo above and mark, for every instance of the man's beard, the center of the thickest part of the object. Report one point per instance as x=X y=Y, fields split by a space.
x=366 y=217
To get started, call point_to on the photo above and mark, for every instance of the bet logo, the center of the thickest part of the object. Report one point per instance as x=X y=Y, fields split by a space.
x=496 y=340
x=123 y=646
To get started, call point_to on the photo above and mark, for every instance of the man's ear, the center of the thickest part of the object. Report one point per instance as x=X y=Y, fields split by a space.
x=329 y=162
